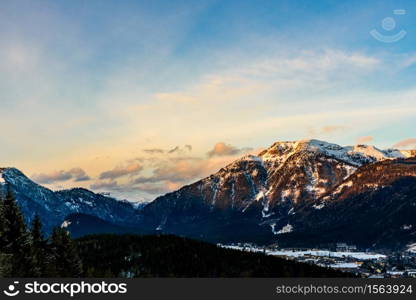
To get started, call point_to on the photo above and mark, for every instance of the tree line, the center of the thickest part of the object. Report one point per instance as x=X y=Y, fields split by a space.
x=26 y=252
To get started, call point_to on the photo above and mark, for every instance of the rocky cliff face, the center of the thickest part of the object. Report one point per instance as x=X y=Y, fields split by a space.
x=266 y=188
x=375 y=207
x=293 y=193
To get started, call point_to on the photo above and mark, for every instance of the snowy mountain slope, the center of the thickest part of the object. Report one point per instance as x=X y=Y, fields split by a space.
x=264 y=189
x=374 y=207
x=53 y=207
x=258 y=198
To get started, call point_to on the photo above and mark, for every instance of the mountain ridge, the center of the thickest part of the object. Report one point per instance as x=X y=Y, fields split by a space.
x=54 y=206
x=267 y=176
x=255 y=198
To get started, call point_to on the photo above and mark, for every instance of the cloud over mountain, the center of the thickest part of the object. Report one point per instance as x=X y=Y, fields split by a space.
x=75 y=174
x=406 y=143
x=325 y=130
x=365 y=139
x=120 y=171
x=163 y=170
x=223 y=149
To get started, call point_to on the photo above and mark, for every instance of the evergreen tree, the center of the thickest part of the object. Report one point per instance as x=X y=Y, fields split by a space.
x=37 y=235
x=4 y=258
x=17 y=240
x=2 y=224
x=5 y=265
x=30 y=254
x=67 y=261
x=14 y=226
x=42 y=257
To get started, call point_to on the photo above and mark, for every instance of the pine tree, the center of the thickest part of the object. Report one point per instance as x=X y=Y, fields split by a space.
x=73 y=262
x=42 y=257
x=14 y=226
x=2 y=224
x=5 y=265
x=4 y=258
x=37 y=235
x=29 y=254
x=68 y=263
x=17 y=240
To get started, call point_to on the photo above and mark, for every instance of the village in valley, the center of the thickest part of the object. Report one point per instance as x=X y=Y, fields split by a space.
x=344 y=257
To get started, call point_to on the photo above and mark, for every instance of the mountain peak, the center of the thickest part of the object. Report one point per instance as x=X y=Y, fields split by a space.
x=354 y=155
x=54 y=206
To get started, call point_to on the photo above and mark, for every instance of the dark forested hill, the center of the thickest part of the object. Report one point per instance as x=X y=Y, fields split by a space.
x=171 y=256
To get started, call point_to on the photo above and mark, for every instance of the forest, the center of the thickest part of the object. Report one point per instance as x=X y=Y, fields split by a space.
x=25 y=251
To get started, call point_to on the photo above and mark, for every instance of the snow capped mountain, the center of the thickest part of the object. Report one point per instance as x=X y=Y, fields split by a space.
x=284 y=174
x=266 y=189
x=374 y=207
x=53 y=207
x=2 y=181
x=289 y=189
x=355 y=155
x=369 y=179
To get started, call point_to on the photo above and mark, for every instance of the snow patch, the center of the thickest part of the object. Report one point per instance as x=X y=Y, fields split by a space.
x=345 y=266
x=2 y=180
x=65 y=224
x=320 y=206
x=286 y=229
x=273 y=226
x=407 y=227
x=319 y=253
x=260 y=195
x=411 y=248
x=341 y=186
x=324 y=253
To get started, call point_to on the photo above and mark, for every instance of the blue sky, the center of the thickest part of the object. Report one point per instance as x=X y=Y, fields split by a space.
x=92 y=85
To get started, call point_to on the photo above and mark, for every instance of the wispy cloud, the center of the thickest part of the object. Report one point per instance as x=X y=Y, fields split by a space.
x=223 y=149
x=168 y=171
x=326 y=130
x=83 y=87
x=75 y=174
x=364 y=139
x=154 y=151
x=122 y=170
x=105 y=185
x=407 y=143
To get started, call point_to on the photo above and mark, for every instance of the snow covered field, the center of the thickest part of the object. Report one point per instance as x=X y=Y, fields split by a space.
x=323 y=253
x=345 y=266
x=320 y=253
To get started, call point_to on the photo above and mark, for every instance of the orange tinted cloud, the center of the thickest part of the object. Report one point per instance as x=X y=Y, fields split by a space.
x=222 y=149
x=76 y=174
x=120 y=171
x=406 y=143
x=326 y=130
x=364 y=139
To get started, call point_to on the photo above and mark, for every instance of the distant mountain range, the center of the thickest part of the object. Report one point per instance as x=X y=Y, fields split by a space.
x=54 y=207
x=294 y=193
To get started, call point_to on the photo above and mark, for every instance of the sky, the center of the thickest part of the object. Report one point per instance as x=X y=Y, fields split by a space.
x=138 y=98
